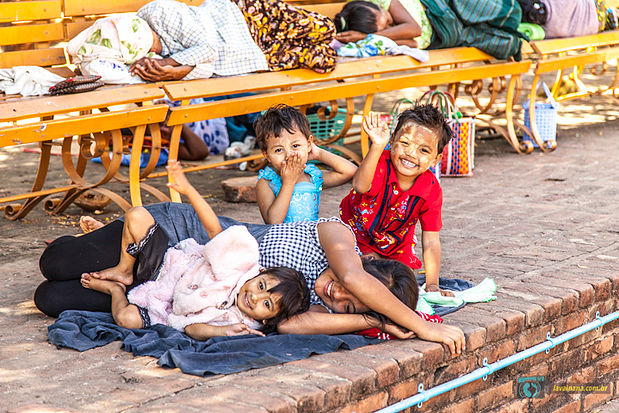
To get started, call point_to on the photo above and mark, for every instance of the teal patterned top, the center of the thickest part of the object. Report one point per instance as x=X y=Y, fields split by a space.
x=305 y=197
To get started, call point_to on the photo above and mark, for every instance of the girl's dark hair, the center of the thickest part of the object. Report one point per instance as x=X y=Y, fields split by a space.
x=279 y=117
x=398 y=278
x=429 y=116
x=294 y=295
x=357 y=15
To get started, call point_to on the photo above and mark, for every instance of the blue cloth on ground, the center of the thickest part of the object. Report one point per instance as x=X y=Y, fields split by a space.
x=83 y=330
x=144 y=158
x=451 y=284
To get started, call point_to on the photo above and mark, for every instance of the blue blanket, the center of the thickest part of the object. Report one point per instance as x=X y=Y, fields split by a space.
x=83 y=330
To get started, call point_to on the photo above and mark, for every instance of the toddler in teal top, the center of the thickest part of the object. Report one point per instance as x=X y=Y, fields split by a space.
x=288 y=189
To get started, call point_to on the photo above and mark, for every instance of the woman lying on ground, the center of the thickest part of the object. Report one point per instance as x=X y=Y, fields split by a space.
x=324 y=251
x=403 y=21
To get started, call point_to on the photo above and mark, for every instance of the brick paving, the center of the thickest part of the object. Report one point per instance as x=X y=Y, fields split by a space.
x=544 y=226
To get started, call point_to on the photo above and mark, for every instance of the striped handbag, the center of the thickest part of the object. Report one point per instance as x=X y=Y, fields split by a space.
x=459 y=154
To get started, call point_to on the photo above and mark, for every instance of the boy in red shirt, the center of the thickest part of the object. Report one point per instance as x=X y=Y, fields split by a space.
x=393 y=189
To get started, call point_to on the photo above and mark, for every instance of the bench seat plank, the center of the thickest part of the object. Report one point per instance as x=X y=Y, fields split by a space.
x=562 y=62
x=231 y=107
x=103 y=97
x=358 y=67
x=54 y=129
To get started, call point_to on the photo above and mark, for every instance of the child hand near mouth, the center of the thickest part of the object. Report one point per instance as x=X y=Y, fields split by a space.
x=393 y=189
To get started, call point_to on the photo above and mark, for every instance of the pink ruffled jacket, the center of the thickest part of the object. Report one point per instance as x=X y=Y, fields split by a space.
x=200 y=283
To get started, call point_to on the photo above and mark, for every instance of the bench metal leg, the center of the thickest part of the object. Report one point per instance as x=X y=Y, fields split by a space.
x=174 y=144
x=367 y=108
x=76 y=173
x=16 y=211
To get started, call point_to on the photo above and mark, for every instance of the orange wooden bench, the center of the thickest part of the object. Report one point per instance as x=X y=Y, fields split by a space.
x=361 y=77
x=573 y=53
x=32 y=34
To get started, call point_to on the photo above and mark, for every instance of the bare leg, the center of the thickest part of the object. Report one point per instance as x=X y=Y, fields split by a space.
x=193 y=148
x=89 y=224
x=137 y=223
x=125 y=315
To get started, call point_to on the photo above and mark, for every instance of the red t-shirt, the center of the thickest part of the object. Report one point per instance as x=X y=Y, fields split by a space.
x=384 y=218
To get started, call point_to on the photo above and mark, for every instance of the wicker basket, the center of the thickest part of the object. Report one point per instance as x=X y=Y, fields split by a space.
x=327 y=129
x=545 y=118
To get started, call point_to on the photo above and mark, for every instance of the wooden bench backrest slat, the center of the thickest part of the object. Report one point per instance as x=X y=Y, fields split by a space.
x=36 y=57
x=52 y=105
x=32 y=33
x=356 y=68
x=74 y=28
x=29 y=10
x=42 y=131
x=231 y=107
x=574 y=43
x=93 y=7
x=327 y=9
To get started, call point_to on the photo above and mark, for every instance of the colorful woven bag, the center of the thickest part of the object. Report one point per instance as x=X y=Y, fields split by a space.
x=459 y=154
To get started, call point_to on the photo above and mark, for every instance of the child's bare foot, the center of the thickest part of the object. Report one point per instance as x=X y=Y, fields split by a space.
x=89 y=224
x=114 y=274
x=104 y=286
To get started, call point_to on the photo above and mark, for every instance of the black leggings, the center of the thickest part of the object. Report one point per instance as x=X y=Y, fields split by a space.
x=65 y=260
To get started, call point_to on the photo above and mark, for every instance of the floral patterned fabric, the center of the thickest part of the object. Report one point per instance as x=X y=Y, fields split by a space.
x=124 y=38
x=289 y=36
x=372 y=45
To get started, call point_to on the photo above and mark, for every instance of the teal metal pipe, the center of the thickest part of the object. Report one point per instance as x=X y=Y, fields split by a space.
x=482 y=372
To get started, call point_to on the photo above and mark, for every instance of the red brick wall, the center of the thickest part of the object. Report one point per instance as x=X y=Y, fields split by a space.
x=495 y=331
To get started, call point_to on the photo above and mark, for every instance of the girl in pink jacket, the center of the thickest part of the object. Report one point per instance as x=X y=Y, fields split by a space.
x=208 y=290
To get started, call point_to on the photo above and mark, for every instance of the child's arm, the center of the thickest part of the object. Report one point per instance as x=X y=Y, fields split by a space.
x=431 y=245
x=338 y=243
x=274 y=209
x=202 y=331
x=318 y=321
x=203 y=209
x=343 y=170
x=405 y=28
x=378 y=132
